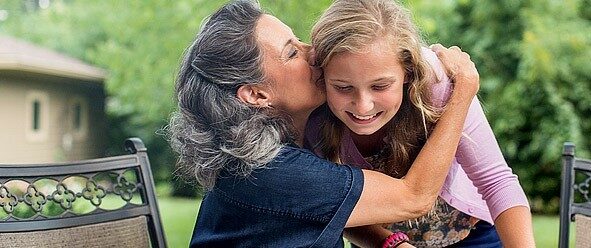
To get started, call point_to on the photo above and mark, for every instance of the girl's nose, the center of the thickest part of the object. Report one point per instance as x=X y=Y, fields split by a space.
x=363 y=104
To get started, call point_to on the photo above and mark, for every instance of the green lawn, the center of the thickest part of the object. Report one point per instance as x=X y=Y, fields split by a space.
x=546 y=231
x=178 y=217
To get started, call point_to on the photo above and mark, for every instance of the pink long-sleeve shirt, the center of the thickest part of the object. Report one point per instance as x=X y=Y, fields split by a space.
x=479 y=182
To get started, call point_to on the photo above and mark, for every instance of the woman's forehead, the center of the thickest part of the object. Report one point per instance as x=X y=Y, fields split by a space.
x=273 y=33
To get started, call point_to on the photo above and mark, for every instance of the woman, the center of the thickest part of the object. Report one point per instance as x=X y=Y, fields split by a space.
x=245 y=90
x=385 y=93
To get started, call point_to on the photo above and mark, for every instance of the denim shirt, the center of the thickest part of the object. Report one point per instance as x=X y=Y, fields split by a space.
x=299 y=200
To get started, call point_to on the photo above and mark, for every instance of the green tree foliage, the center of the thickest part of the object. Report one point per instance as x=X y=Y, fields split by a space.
x=533 y=57
x=299 y=15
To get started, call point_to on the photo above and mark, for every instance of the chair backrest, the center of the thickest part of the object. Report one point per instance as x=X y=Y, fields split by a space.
x=106 y=202
x=575 y=202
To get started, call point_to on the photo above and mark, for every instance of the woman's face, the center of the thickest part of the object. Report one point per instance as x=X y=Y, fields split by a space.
x=364 y=90
x=286 y=64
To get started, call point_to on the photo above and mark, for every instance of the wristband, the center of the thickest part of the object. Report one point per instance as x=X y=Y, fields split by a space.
x=395 y=239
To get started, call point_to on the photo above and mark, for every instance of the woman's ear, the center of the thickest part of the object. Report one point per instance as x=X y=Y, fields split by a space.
x=254 y=95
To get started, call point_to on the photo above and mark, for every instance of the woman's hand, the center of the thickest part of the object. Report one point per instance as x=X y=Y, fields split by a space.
x=459 y=68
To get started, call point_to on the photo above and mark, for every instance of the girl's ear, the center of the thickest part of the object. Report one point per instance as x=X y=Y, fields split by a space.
x=255 y=95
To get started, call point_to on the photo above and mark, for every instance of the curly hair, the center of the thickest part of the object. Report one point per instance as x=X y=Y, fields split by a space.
x=213 y=131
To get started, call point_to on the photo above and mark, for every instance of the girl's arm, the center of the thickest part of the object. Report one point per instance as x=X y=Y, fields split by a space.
x=385 y=199
x=514 y=227
x=482 y=160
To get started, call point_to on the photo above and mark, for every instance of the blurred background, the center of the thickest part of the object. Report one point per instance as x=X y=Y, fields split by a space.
x=534 y=58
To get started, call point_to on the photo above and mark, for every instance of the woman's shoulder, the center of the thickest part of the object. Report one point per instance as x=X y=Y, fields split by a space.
x=296 y=177
x=300 y=159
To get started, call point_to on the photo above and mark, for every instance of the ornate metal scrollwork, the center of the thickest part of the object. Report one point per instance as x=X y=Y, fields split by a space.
x=49 y=197
x=124 y=188
x=63 y=196
x=7 y=200
x=94 y=193
x=34 y=198
x=583 y=187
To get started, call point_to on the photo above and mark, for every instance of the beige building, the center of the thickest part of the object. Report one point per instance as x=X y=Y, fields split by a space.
x=51 y=105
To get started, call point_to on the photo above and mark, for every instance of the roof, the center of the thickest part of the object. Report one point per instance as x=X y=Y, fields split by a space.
x=18 y=55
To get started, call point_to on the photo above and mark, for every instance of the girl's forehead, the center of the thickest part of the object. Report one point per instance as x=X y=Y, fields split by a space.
x=382 y=48
x=364 y=46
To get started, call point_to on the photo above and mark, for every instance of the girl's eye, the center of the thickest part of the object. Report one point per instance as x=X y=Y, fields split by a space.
x=342 y=88
x=380 y=87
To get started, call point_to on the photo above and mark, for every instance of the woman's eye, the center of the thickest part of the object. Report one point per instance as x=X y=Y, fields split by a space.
x=293 y=52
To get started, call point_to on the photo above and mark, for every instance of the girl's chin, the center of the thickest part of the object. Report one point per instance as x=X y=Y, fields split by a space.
x=365 y=131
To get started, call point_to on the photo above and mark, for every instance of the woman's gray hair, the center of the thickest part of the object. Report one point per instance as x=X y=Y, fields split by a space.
x=213 y=131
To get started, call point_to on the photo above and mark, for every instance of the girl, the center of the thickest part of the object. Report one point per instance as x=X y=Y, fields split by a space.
x=385 y=92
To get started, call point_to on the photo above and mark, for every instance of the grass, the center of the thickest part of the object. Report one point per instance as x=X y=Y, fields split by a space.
x=179 y=215
x=546 y=231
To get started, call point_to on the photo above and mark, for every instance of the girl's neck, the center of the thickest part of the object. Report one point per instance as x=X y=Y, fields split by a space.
x=371 y=144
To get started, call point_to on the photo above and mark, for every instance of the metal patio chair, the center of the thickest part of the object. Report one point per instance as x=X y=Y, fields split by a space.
x=575 y=204
x=106 y=202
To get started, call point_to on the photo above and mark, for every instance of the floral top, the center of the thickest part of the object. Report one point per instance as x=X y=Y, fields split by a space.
x=442 y=226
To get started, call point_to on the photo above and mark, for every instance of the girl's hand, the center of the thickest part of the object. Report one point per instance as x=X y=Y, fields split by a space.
x=460 y=69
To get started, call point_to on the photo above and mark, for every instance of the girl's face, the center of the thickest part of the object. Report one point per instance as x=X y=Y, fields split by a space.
x=364 y=90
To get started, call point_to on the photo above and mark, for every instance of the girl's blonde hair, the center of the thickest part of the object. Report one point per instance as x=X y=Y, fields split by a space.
x=351 y=25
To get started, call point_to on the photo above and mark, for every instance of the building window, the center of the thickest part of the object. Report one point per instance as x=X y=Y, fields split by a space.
x=37 y=115
x=79 y=116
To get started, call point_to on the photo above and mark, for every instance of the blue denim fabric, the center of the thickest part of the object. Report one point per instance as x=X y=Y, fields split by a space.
x=300 y=200
x=484 y=235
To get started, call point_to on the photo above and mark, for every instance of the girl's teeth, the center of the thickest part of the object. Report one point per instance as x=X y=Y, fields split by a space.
x=364 y=117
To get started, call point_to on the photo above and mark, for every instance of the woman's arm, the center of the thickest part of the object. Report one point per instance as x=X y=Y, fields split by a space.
x=385 y=199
